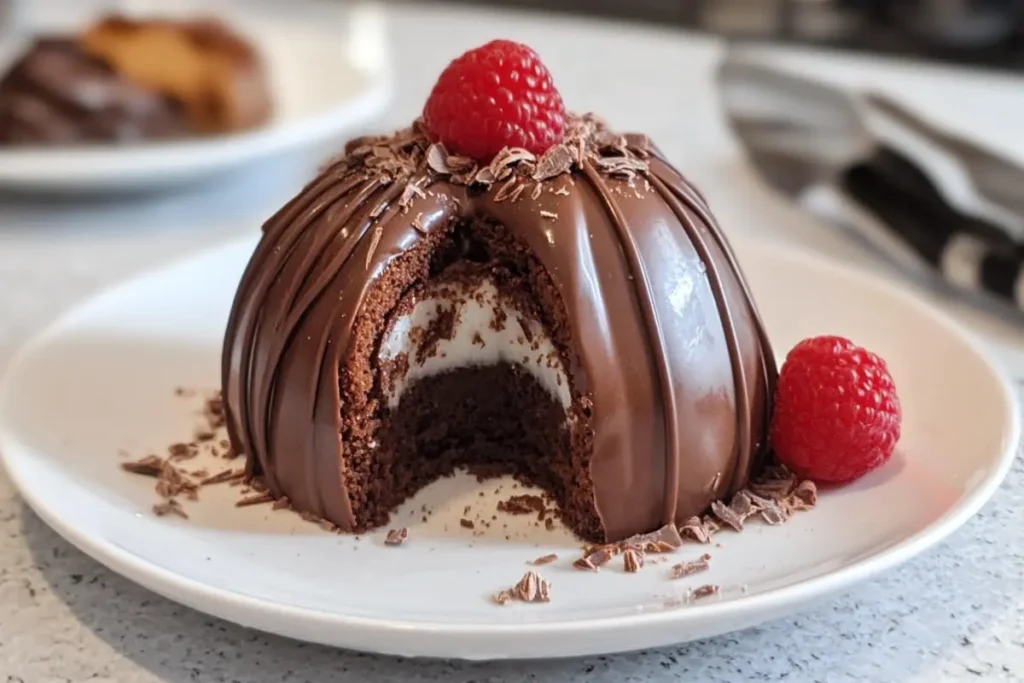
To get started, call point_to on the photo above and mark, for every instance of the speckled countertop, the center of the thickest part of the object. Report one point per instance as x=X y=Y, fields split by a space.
x=954 y=614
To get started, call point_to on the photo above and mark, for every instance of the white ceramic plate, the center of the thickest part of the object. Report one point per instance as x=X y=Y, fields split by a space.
x=102 y=379
x=328 y=80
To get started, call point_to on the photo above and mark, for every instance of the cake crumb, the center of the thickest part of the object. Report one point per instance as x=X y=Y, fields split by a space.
x=466 y=523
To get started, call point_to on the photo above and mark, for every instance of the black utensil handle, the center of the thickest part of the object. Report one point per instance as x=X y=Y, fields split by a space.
x=969 y=253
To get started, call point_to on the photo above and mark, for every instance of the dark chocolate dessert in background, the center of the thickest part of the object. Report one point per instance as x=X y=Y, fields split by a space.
x=122 y=81
x=58 y=93
x=560 y=306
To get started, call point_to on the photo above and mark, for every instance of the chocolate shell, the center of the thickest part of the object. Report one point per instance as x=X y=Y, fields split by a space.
x=670 y=370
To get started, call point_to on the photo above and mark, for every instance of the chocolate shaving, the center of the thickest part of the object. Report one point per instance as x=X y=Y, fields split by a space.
x=639 y=144
x=532 y=588
x=711 y=527
x=221 y=477
x=776 y=489
x=742 y=505
x=537 y=189
x=585 y=564
x=459 y=164
x=704 y=591
x=417 y=224
x=181 y=451
x=694 y=529
x=396 y=536
x=684 y=569
x=545 y=559
x=556 y=161
x=807 y=492
x=378 y=232
x=466 y=523
x=607 y=141
x=507 y=158
x=409 y=192
x=632 y=561
x=258 y=499
x=485 y=176
x=599 y=557
x=621 y=166
x=437 y=158
x=171 y=483
x=464 y=177
x=550 y=215
x=506 y=189
x=727 y=515
x=281 y=503
x=773 y=515
x=150 y=466
x=169 y=507
x=667 y=536
x=518 y=191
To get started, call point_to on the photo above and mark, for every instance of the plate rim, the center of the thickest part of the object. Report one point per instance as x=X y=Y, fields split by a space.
x=338 y=629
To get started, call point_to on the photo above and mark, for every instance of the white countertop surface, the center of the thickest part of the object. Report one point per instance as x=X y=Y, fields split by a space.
x=954 y=614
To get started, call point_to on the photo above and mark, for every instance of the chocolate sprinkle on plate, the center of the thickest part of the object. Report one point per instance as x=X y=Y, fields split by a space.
x=690 y=568
x=545 y=559
x=396 y=536
x=150 y=466
x=258 y=499
x=632 y=561
x=705 y=591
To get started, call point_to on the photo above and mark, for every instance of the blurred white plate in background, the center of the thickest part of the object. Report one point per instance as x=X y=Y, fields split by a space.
x=329 y=79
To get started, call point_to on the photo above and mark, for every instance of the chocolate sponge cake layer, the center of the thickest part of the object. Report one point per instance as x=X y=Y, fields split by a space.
x=658 y=359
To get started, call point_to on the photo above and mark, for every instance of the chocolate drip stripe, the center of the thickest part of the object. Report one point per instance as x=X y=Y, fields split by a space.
x=283 y=333
x=689 y=195
x=656 y=337
x=741 y=396
x=252 y=333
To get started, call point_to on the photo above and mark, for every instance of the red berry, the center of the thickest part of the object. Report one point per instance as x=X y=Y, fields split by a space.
x=498 y=95
x=836 y=416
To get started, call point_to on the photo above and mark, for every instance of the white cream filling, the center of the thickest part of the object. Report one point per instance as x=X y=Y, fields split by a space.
x=475 y=342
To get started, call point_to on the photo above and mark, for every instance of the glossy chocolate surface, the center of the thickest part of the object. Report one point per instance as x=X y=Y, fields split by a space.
x=669 y=351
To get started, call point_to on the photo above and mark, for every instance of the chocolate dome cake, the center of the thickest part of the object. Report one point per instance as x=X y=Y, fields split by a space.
x=574 y=318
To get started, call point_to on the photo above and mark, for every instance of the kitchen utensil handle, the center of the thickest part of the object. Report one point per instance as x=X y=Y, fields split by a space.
x=970 y=254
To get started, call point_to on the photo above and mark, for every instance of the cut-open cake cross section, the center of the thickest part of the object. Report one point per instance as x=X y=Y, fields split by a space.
x=468 y=369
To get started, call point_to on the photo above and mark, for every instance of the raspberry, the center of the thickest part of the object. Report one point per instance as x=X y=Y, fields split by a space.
x=837 y=416
x=498 y=95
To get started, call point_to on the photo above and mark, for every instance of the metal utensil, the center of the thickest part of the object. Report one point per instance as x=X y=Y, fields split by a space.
x=803 y=136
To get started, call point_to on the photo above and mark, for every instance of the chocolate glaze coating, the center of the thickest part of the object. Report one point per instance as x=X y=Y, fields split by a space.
x=56 y=93
x=669 y=353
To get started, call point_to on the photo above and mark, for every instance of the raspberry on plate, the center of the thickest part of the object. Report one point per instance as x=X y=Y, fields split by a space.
x=837 y=415
x=495 y=96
